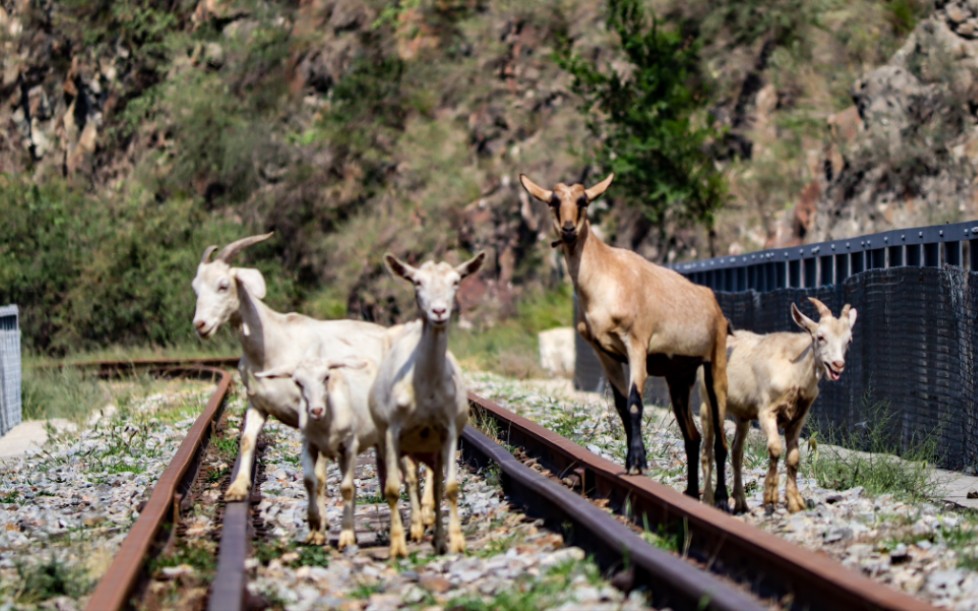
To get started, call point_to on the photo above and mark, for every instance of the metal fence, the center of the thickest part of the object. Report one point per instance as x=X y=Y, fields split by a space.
x=10 y=372
x=910 y=373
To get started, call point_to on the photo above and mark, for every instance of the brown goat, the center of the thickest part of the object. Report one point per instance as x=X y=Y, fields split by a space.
x=646 y=316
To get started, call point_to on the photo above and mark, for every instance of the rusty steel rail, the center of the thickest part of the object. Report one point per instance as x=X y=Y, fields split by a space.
x=127 y=573
x=772 y=567
x=673 y=582
x=229 y=591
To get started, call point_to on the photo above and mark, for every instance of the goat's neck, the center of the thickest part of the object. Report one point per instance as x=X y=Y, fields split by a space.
x=432 y=351
x=806 y=358
x=253 y=322
x=582 y=256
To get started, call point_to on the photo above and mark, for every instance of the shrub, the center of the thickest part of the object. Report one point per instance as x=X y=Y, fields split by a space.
x=649 y=121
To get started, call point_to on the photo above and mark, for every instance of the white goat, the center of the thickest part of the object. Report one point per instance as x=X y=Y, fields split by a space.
x=773 y=379
x=418 y=401
x=269 y=339
x=335 y=422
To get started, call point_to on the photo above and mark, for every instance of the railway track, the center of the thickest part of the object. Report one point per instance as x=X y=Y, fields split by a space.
x=729 y=565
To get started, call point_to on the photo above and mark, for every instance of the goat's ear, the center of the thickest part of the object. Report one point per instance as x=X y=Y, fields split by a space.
x=803 y=321
x=398 y=267
x=472 y=265
x=850 y=313
x=544 y=195
x=595 y=192
x=282 y=371
x=251 y=279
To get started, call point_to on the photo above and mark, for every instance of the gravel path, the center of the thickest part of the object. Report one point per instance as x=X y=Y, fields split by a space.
x=510 y=562
x=927 y=549
x=65 y=510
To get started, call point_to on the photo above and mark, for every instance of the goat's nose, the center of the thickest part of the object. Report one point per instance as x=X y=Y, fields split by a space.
x=200 y=324
x=316 y=412
x=439 y=311
x=839 y=365
x=567 y=227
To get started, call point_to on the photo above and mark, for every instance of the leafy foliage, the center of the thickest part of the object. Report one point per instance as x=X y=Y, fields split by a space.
x=649 y=120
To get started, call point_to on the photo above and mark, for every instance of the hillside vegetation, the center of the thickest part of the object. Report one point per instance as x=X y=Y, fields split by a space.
x=135 y=133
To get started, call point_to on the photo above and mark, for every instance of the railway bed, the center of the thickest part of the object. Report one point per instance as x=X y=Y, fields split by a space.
x=787 y=576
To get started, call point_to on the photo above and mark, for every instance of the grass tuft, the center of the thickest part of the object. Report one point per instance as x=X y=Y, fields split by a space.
x=877 y=468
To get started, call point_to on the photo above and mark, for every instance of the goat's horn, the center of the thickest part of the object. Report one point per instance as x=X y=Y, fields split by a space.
x=595 y=192
x=544 y=195
x=823 y=310
x=238 y=245
x=207 y=254
x=845 y=311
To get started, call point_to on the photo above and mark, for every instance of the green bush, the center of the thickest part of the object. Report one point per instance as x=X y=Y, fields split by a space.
x=649 y=123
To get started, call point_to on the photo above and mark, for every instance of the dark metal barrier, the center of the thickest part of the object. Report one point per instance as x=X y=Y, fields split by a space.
x=911 y=363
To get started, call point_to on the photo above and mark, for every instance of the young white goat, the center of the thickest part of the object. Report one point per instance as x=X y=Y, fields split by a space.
x=773 y=379
x=269 y=339
x=335 y=423
x=646 y=316
x=418 y=400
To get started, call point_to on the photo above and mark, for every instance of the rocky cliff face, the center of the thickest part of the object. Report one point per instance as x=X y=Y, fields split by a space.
x=352 y=127
x=906 y=152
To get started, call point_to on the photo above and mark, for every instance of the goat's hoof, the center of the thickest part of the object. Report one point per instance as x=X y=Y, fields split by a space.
x=236 y=492
x=739 y=508
x=428 y=516
x=417 y=532
x=456 y=545
x=398 y=548
x=768 y=509
x=723 y=505
x=347 y=539
x=316 y=538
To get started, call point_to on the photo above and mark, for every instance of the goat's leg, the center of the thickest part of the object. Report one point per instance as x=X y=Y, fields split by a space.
x=315 y=514
x=392 y=491
x=740 y=436
x=241 y=486
x=616 y=379
x=770 y=427
x=322 y=490
x=715 y=378
x=428 y=498
x=791 y=459
x=635 y=460
x=449 y=469
x=680 y=383
x=706 y=460
x=411 y=468
x=348 y=464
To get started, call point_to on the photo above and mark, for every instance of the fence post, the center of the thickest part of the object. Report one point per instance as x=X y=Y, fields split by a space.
x=10 y=368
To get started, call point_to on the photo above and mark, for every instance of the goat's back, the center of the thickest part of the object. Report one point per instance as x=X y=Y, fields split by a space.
x=768 y=369
x=623 y=292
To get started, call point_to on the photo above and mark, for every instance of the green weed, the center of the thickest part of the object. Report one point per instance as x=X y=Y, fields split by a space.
x=48 y=579
x=62 y=392
x=876 y=466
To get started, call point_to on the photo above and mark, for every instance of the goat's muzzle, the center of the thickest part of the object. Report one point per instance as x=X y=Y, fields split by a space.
x=567 y=236
x=200 y=326
x=316 y=412
x=834 y=370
